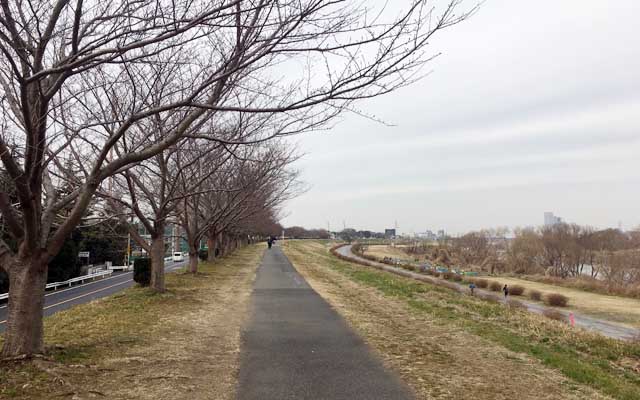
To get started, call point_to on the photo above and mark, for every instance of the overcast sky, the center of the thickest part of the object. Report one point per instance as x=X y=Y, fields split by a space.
x=533 y=106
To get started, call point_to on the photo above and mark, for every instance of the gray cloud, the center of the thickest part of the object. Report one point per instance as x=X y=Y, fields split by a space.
x=533 y=107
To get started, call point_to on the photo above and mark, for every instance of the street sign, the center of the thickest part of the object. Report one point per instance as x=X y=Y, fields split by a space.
x=83 y=254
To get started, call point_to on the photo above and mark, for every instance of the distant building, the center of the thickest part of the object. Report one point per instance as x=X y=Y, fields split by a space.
x=441 y=234
x=550 y=219
x=428 y=235
x=389 y=233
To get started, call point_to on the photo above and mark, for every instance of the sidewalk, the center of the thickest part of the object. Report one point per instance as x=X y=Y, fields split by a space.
x=295 y=346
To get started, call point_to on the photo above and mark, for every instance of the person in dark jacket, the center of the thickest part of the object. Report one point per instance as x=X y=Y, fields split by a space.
x=269 y=242
x=505 y=289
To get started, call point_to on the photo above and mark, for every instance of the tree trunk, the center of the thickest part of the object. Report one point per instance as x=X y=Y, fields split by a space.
x=193 y=259
x=157 y=262
x=24 y=334
x=211 y=246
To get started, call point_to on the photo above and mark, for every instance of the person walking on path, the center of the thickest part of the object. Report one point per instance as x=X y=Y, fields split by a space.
x=505 y=289
x=472 y=287
x=270 y=242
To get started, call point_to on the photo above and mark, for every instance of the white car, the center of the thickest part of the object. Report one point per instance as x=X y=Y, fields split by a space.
x=178 y=256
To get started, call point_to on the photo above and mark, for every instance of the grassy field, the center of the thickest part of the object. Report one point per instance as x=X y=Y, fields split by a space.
x=140 y=345
x=448 y=346
x=624 y=310
x=382 y=251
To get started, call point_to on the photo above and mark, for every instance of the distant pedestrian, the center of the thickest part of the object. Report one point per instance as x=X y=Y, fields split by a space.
x=505 y=289
x=472 y=287
x=269 y=242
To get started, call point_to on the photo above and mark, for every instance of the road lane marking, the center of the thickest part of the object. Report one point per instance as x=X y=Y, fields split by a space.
x=169 y=268
x=81 y=296
x=95 y=291
x=80 y=286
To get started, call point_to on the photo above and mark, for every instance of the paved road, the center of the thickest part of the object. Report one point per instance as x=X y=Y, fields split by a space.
x=66 y=298
x=295 y=346
x=603 y=327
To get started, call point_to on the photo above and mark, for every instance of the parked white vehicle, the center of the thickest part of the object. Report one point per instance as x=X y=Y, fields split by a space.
x=178 y=256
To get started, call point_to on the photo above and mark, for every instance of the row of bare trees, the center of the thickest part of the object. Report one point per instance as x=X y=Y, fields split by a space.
x=562 y=250
x=155 y=96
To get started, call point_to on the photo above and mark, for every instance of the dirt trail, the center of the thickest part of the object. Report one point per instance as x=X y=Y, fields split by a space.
x=434 y=360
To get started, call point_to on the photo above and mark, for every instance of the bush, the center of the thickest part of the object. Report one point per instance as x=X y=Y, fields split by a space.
x=554 y=314
x=203 y=254
x=495 y=286
x=142 y=271
x=534 y=294
x=457 y=278
x=447 y=275
x=516 y=290
x=481 y=283
x=556 y=300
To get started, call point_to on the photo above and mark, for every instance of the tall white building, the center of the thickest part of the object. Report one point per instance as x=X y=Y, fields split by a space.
x=550 y=219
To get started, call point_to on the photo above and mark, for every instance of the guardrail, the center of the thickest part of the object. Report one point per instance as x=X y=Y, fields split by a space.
x=69 y=282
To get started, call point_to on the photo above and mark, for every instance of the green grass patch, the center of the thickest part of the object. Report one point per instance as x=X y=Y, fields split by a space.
x=586 y=358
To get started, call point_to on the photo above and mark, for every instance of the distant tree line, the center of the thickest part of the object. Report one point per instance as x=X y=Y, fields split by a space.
x=610 y=256
x=298 y=232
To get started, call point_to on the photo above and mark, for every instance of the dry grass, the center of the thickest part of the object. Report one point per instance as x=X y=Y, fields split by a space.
x=516 y=305
x=137 y=345
x=612 y=308
x=428 y=354
x=554 y=314
x=382 y=251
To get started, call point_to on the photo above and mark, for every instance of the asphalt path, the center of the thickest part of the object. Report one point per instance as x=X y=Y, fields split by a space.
x=601 y=326
x=63 y=299
x=295 y=346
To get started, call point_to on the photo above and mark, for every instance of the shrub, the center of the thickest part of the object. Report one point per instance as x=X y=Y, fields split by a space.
x=447 y=275
x=142 y=271
x=457 y=278
x=534 y=294
x=516 y=290
x=495 y=286
x=556 y=299
x=203 y=254
x=554 y=314
x=481 y=283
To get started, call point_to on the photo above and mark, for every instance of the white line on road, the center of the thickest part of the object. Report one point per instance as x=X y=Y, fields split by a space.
x=96 y=291
x=81 y=296
x=171 y=268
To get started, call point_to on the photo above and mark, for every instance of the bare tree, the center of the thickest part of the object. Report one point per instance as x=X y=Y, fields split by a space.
x=65 y=65
x=256 y=180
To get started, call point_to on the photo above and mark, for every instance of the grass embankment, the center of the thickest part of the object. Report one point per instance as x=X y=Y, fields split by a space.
x=616 y=309
x=447 y=337
x=613 y=308
x=140 y=345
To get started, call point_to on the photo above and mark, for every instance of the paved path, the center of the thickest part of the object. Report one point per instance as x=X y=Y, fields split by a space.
x=603 y=327
x=62 y=299
x=295 y=346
